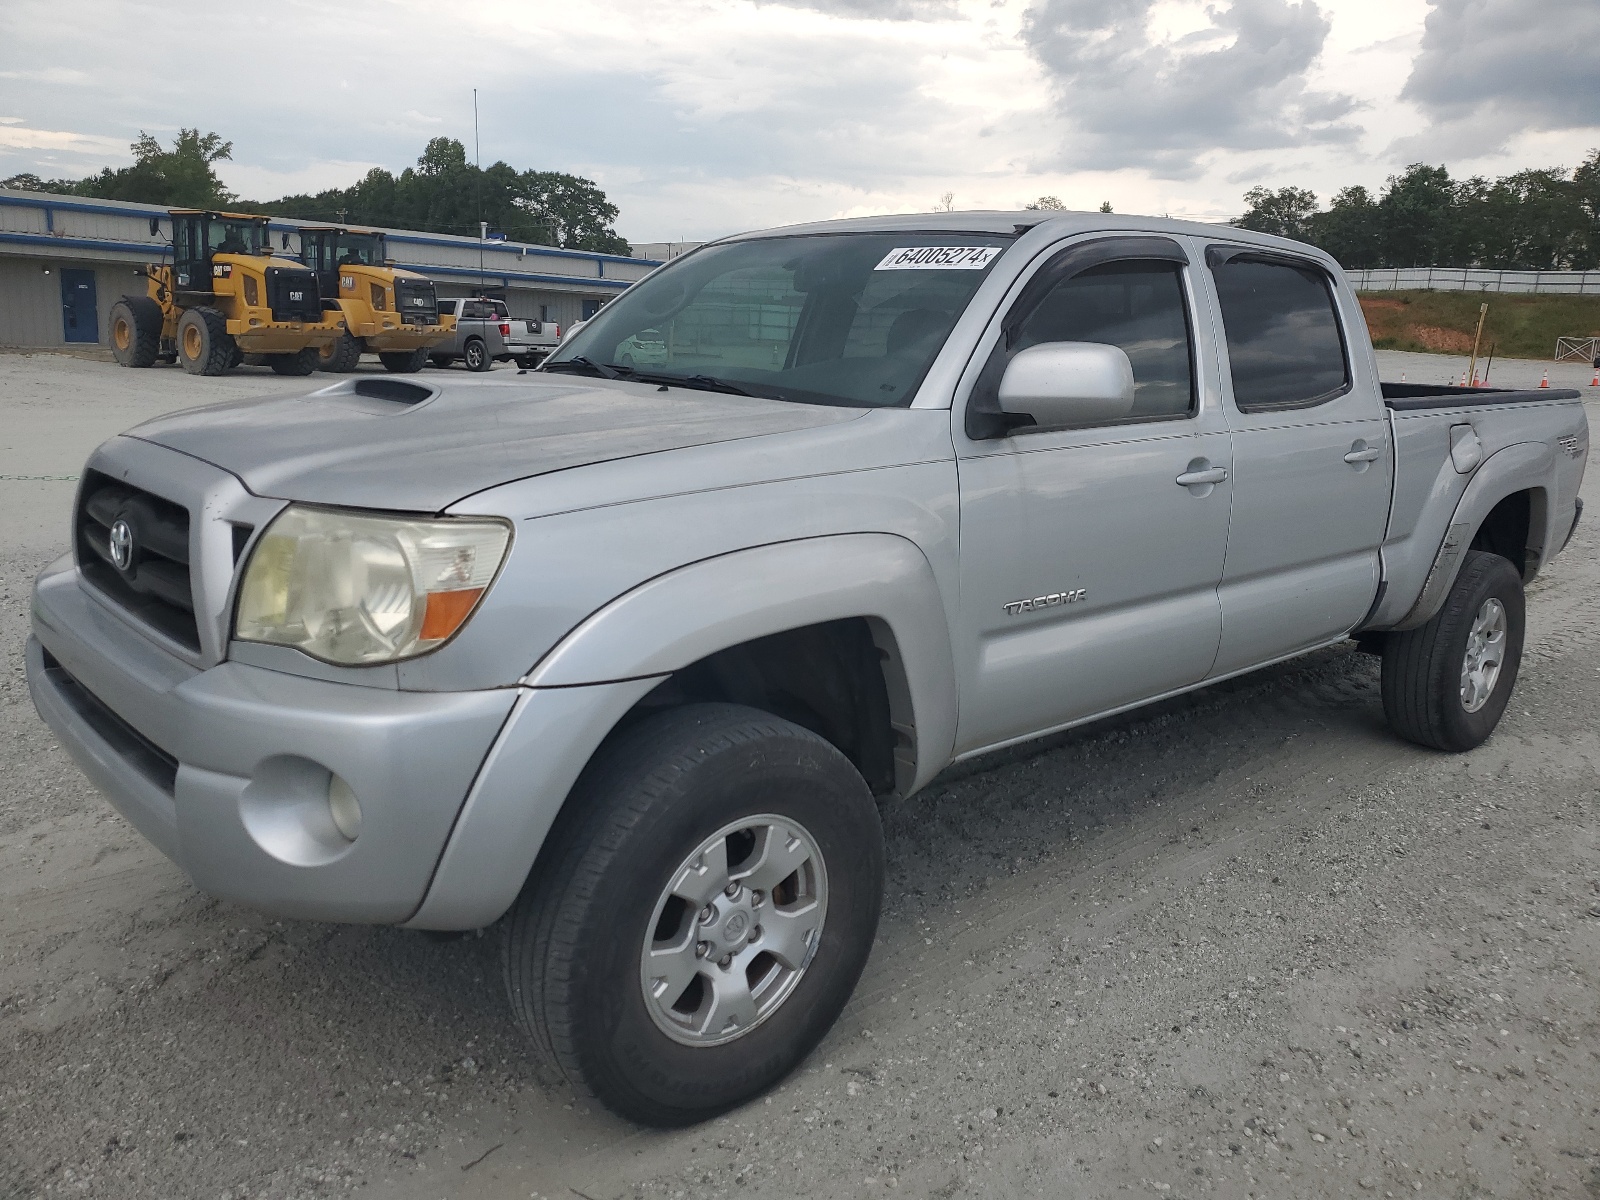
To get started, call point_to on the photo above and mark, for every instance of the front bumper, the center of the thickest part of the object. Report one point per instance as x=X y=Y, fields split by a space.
x=225 y=769
x=402 y=337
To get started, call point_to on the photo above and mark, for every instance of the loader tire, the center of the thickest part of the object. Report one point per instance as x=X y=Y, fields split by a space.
x=302 y=362
x=136 y=331
x=204 y=345
x=403 y=362
x=342 y=356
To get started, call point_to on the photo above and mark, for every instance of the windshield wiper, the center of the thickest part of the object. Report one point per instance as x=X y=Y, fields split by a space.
x=583 y=364
x=703 y=383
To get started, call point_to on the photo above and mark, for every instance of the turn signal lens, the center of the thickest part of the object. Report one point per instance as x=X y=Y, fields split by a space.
x=355 y=589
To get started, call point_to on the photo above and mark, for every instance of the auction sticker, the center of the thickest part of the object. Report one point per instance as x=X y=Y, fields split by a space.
x=938 y=258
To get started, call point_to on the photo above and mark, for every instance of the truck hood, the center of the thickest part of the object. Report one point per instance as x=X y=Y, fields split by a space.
x=339 y=447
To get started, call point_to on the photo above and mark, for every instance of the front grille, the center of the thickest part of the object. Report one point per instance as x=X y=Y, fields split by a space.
x=416 y=301
x=151 y=537
x=149 y=759
x=292 y=294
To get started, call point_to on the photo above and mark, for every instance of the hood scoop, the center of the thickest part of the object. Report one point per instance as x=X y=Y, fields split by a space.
x=380 y=394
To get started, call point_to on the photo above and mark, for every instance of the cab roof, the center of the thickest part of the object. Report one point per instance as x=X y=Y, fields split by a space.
x=212 y=212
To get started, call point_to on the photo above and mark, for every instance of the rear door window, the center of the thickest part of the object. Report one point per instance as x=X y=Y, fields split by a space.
x=1285 y=344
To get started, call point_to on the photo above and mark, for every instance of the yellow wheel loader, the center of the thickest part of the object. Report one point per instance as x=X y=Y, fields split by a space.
x=225 y=295
x=390 y=312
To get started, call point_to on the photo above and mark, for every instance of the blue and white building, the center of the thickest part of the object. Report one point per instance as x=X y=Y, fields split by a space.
x=64 y=260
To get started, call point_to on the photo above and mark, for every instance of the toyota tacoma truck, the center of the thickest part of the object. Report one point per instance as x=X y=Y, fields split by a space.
x=621 y=659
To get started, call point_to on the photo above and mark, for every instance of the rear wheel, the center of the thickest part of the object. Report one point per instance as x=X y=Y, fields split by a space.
x=342 y=356
x=476 y=356
x=136 y=331
x=403 y=361
x=204 y=345
x=701 y=913
x=1447 y=683
x=302 y=362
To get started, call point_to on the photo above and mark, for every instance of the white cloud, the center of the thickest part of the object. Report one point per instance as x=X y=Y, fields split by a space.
x=716 y=115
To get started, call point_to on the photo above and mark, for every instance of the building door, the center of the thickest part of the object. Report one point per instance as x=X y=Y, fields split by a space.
x=590 y=307
x=80 y=311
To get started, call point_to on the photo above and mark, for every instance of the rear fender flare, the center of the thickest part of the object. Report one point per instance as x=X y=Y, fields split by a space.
x=680 y=617
x=1522 y=467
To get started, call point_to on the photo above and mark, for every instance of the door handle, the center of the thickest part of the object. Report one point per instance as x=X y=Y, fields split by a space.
x=1370 y=454
x=1198 y=478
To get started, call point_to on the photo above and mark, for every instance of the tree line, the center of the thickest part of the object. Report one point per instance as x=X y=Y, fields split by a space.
x=1546 y=219
x=443 y=193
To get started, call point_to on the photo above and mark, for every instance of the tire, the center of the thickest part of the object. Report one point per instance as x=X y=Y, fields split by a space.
x=136 y=331
x=475 y=357
x=1426 y=696
x=342 y=356
x=204 y=346
x=302 y=362
x=439 y=360
x=576 y=939
x=527 y=362
x=403 y=362
x=627 y=361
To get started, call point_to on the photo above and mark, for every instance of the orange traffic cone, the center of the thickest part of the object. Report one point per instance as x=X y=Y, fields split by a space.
x=1545 y=382
x=1595 y=382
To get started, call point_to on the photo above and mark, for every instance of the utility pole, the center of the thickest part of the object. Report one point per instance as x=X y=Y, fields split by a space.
x=477 y=161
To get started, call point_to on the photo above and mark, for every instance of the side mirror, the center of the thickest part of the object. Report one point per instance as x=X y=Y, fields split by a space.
x=155 y=226
x=1062 y=384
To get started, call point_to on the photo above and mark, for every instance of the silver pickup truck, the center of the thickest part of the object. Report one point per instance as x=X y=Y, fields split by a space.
x=621 y=657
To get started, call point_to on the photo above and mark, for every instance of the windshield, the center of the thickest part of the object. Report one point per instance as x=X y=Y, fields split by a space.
x=849 y=319
x=361 y=249
x=229 y=235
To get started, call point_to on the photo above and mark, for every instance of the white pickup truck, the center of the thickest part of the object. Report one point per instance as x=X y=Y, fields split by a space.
x=619 y=655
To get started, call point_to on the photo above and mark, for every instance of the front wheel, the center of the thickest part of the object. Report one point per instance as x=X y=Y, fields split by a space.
x=204 y=345
x=341 y=356
x=475 y=356
x=403 y=362
x=701 y=913
x=1447 y=683
x=302 y=362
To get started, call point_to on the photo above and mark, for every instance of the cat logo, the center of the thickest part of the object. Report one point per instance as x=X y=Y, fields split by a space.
x=347 y=281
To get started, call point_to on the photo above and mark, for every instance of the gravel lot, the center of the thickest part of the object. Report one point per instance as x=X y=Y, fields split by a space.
x=1242 y=944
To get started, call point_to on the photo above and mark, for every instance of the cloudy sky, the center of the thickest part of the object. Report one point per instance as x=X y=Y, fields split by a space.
x=702 y=117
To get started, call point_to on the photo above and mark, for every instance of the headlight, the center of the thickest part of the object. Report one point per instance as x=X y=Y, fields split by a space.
x=352 y=589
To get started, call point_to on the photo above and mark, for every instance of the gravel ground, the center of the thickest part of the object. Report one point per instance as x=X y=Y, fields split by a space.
x=1241 y=944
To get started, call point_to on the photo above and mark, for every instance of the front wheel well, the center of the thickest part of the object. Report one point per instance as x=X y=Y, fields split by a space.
x=830 y=678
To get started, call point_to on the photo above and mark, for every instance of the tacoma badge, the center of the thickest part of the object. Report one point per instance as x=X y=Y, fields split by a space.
x=1017 y=607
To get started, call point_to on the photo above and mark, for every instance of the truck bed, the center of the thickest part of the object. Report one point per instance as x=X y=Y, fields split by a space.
x=1408 y=397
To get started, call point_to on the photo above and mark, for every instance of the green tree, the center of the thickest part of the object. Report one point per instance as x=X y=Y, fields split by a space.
x=444 y=193
x=573 y=211
x=1350 y=230
x=1285 y=212
x=1046 y=204
x=1586 y=187
x=183 y=177
x=1416 y=211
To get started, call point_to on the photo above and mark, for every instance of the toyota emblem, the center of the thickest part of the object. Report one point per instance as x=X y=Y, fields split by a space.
x=121 y=544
